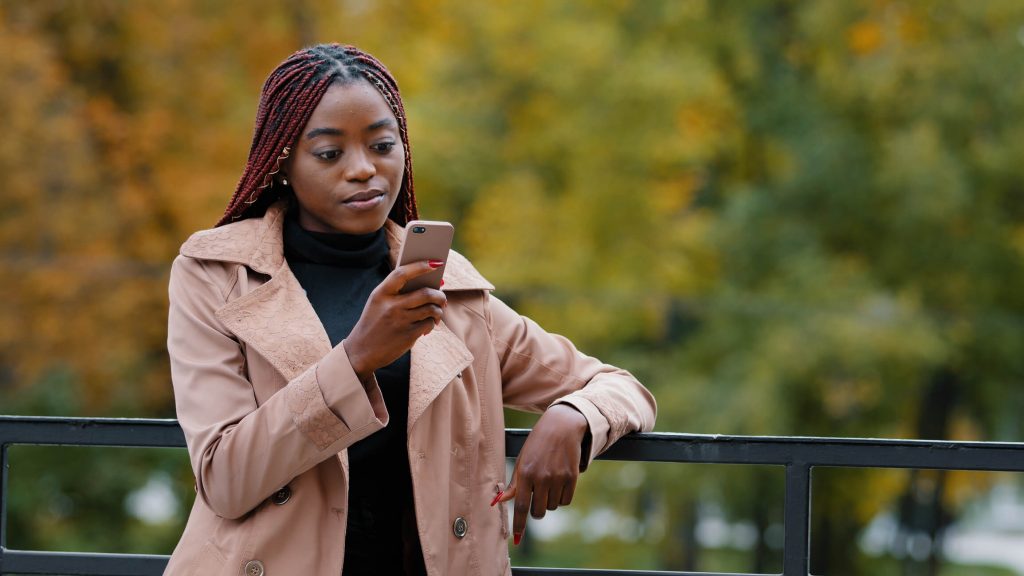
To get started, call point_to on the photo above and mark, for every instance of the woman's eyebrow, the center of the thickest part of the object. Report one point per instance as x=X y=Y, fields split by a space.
x=383 y=122
x=320 y=131
x=389 y=122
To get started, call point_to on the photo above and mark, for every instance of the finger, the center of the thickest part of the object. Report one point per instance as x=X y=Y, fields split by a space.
x=423 y=327
x=430 y=312
x=540 y=501
x=520 y=510
x=497 y=498
x=554 y=498
x=393 y=282
x=567 y=493
x=418 y=298
x=510 y=491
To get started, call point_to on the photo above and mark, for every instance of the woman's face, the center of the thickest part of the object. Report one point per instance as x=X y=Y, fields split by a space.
x=346 y=168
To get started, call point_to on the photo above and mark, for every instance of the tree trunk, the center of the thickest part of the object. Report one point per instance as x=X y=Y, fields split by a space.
x=921 y=509
x=680 y=550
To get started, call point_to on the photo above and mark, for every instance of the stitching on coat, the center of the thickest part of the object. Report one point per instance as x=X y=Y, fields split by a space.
x=322 y=426
x=508 y=349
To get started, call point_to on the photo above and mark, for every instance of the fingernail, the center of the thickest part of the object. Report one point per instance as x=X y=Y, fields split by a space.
x=435 y=263
x=496 y=498
x=516 y=538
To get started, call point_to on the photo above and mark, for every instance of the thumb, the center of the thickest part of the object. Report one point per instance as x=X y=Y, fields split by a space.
x=509 y=492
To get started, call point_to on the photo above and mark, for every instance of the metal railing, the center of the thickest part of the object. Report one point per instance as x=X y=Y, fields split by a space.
x=799 y=455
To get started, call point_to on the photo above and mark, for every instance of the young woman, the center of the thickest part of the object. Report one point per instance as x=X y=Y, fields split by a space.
x=335 y=424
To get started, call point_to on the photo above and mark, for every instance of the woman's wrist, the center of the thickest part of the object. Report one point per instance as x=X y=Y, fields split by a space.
x=357 y=361
x=570 y=413
x=585 y=439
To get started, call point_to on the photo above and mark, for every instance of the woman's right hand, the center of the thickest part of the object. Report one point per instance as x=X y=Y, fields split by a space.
x=391 y=322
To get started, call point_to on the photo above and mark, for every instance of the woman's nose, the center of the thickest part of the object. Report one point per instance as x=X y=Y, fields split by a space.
x=360 y=167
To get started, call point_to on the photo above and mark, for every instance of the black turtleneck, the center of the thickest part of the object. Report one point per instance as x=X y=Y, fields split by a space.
x=338 y=272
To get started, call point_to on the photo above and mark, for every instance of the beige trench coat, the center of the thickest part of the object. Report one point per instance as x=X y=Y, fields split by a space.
x=268 y=409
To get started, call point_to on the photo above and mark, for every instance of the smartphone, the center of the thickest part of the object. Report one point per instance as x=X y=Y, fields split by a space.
x=426 y=240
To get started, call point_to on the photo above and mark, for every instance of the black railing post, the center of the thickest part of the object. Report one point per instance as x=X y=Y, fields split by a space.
x=796 y=554
x=3 y=503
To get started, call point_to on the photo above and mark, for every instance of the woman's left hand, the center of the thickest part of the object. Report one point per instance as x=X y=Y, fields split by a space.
x=547 y=467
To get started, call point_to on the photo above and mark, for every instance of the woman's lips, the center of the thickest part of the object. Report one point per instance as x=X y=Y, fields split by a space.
x=364 y=202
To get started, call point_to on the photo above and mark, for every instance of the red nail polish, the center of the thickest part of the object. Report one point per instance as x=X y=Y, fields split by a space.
x=496 y=498
x=435 y=263
x=442 y=282
x=516 y=538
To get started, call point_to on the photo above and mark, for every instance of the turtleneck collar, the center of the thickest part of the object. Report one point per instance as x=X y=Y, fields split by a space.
x=333 y=248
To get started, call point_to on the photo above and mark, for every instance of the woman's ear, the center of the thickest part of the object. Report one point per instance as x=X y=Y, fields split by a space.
x=285 y=159
x=284 y=163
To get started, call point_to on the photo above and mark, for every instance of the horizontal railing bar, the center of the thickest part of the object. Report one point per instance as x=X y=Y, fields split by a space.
x=81 y=563
x=783 y=450
x=649 y=447
x=590 y=572
x=124 y=432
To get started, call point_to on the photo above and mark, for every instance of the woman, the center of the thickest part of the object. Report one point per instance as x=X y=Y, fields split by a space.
x=334 y=424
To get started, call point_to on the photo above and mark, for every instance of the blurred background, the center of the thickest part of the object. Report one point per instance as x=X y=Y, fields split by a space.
x=787 y=218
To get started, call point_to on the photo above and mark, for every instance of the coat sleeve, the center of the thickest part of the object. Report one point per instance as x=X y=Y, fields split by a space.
x=242 y=453
x=539 y=369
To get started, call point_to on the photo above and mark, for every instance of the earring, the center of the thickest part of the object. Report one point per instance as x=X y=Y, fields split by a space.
x=284 y=180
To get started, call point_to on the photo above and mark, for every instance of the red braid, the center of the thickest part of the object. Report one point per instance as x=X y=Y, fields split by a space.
x=289 y=96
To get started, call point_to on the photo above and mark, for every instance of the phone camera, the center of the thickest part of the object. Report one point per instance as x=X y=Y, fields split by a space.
x=418 y=229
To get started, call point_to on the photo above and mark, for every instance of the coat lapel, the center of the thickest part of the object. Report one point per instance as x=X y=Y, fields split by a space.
x=437 y=359
x=277 y=320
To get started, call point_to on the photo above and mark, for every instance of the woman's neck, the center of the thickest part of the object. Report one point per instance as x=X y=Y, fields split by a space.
x=333 y=248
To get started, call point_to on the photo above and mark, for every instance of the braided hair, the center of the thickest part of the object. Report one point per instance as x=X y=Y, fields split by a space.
x=287 y=101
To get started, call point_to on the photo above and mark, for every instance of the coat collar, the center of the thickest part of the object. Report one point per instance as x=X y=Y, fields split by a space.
x=277 y=320
x=258 y=243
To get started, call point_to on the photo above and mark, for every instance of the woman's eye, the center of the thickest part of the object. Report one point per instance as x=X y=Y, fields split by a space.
x=383 y=147
x=328 y=154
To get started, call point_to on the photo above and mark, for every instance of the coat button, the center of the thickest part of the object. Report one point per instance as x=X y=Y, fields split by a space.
x=281 y=496
x=254 y=568
x=460 y=527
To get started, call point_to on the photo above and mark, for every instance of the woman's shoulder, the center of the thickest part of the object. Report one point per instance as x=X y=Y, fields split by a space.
x=211 y=257
x=460 y=274
x=235 y=239
x=255 y=242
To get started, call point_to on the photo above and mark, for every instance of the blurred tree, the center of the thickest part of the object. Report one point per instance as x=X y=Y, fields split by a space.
x=125 y=127
x=871 y=283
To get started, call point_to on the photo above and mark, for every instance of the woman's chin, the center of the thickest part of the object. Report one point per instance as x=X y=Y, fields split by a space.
x=361 y=222
x=346 y=221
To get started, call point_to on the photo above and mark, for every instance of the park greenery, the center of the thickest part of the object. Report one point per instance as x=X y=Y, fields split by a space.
x=786 y=217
